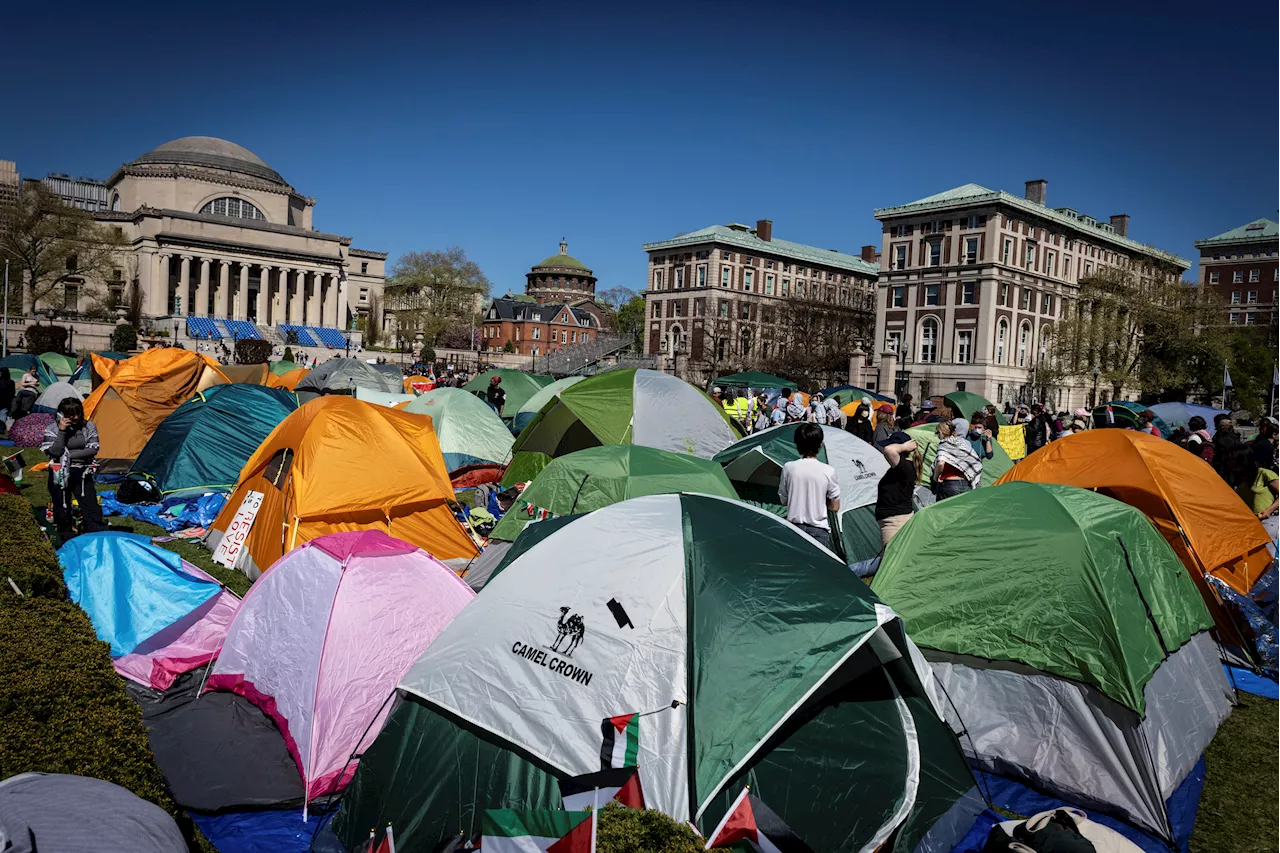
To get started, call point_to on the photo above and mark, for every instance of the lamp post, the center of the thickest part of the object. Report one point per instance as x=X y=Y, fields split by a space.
x=1093 y=396
x=175 y=333
x=4 y=341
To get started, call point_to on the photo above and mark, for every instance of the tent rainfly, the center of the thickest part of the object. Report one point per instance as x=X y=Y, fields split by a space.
x=470 y=432
x=527 y=412
x=343 y=376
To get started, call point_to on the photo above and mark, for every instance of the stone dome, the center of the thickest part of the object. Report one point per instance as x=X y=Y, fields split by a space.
x=213 y=153
x=559 y=276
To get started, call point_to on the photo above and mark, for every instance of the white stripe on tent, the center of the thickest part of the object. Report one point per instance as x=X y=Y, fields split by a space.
x=913 y=774
x=771 y=517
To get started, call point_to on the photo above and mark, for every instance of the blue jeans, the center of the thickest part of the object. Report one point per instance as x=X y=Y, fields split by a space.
x=950 y=488
x=822 y=534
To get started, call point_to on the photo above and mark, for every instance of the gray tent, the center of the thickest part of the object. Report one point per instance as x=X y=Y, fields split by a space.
x=343 y=376
x=78 y=814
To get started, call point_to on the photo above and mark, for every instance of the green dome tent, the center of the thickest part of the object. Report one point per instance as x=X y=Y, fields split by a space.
x=621 y=407
x=1072 y=642
x=20 y=363
x=966 y=404
x=527 y=412
x=520 y=386
x=718 y=642
x=280 y=368
x=205 y=442
x=61 y=365
x=470 y=432
x=927 y=437
x=754 y=466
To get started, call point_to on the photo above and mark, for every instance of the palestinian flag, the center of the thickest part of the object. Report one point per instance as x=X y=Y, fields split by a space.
x=621 y=784
x=620 y=745
x=751 y=823
x=535 y=831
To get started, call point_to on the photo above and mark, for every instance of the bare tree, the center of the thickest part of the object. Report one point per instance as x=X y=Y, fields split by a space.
x=430 y=291
x=373 y=320
x=815 y=338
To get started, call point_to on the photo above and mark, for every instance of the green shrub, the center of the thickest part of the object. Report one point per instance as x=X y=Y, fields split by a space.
x=46 y=338
x=288 y=354
x=252 y=351
x=124 y=338
x=624 y=830
x=26 y=555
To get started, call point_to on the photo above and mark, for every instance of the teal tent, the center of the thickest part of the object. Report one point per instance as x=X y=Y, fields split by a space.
x=19 y=363
x=207 y=440
x=1124 y=415
x=754 y=379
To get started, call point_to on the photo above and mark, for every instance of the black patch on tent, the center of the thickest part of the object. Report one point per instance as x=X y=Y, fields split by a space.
x=218 y=752
x=619 y=614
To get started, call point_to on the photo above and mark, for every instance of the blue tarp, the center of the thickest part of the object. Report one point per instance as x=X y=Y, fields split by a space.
x=130 y=588
x=176 y=513
x=1177 y=414
x=1249 y=682
x=267 y=831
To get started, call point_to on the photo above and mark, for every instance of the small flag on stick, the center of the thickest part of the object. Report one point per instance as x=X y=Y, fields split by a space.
x=620 y=742
x=621 y=784
x=751 y=822
x=535 y=831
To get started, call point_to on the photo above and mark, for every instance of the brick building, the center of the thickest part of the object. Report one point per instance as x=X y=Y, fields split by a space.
x=558 y=309
x=727 y=296
x=1243 y=266
x=974 y=281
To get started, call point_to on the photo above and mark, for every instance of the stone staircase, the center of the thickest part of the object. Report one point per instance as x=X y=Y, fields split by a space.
x=583 y=359
x=269 y=333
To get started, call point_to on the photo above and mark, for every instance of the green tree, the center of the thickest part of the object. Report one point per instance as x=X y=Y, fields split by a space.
x=372 y=321
x=628 y=319
x=124 y=338
x=431 y=291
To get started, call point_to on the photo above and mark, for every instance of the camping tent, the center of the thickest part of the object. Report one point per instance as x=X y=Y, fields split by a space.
x=470 y=433
x=965 y=404
x=288 y=381
x=87 y=373
x=754 y=466
x=382 y=398
x=1209 y=527
x=324 y=635
x=246 y=374
x=281 y=367
x=527 y=412
x=622 y=407
x=19 y=363
x=203 y=445
x=599 y=476
x=926 y=436
x=1177 y=414
x=338 y=464
x=137 y=394
x=846 y=394
x=1091 y=674
x=59 y=364
x=1125 y=414
x=28 y=430
x=519 y=386
x=53 y=395
x=755 y=380
x=342 y=376
x=707 y=642
x=61 y=812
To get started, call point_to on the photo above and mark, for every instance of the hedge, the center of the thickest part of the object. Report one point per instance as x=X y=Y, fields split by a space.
x=624 y=830
x=25 y=553
x=46 y=338
x=124 y=338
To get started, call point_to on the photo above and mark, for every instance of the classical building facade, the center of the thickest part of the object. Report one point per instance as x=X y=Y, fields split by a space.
x=215 y=234
x=719 y=295
x=973 y=282
x=558 y=309
x=1243 y=266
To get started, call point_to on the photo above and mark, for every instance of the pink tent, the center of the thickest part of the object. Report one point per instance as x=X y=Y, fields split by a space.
x=323 y=637
x=188 y=643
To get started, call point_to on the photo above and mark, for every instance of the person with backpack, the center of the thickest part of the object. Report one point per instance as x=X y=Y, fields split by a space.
x=1199 y=442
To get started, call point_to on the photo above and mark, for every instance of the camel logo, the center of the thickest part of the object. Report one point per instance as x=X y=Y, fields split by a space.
x=863 y=473
x=569 y=627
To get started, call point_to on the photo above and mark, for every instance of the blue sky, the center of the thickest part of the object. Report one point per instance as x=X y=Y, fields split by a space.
x=503 y=127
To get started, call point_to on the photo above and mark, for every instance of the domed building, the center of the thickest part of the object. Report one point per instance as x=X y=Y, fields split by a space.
x=222 y=246
x=560 y=278
x=557 y=310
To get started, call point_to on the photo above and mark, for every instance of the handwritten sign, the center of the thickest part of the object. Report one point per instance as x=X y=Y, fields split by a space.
x=233 y=541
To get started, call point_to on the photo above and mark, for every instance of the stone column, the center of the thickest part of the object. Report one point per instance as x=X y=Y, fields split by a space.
x=278 y=304
x=315 y=297
x=298 y=299
x=328 y=304
x=242 y=293
x=202 y=290
x=184 y=287
x=159 y=296
x=221 y=298
x=264 y=294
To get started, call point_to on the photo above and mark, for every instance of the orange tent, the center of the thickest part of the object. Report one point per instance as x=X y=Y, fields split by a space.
x=288 y=380
x=140 y=392
x=1209 y=527
x=341 y=464
x=418 y=384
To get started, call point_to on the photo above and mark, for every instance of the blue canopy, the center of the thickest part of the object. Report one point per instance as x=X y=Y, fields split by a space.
x=1177 y=414
x=131 y=589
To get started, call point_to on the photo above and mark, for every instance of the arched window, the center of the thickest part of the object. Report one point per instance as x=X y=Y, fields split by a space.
x=1002 y=337
x=929 y=341
x=1024 y=341
x=115 y=201
x=236 y=207
x=1044 y=343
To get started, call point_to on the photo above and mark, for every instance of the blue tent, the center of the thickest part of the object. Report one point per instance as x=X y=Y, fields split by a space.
x=202 y=446
x=19 y=363
x=131 y=589
x=1124 y=414
x=1177 y=414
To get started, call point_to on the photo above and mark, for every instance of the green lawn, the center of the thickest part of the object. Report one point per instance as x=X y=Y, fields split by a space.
x=1240 y=809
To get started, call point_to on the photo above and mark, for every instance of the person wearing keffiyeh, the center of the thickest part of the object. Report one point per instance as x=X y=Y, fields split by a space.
x=956 y=468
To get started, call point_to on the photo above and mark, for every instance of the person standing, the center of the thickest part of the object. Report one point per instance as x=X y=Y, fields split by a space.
x=989 y=420
x=809 y=489
x=817 y=411
x=860 y=424
x=71 y=443
x=905 y=410
x=1258 y=487
x=980 y=439
x=835 y=416
x=1225 y=438
x=764 y=416
x=1199 y=442
x=894 y=506
x=495 y=396
x=885 y=426
x=1039 y=429
x=956 y=468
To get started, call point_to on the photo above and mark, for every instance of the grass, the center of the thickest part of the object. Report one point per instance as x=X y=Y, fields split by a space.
x=1240 y=808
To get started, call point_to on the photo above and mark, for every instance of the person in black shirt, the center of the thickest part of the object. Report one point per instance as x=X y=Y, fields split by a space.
x=894 y=505
x=495 y=395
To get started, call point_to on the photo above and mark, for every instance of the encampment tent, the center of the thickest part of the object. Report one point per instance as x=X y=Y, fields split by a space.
x=622 y=407
x=61 y=812
x=470 y=433
x=1209 y=527
x=518 y=385
x=599 y=476
x=754 y=466
x=246 y=374
x=755 y=380
x=705 y=641
x=324 y=635
x=205 y=443
x=343 y=376
x=527 y=412
x=19 y=363
x=1091 y=674
x=53 y=395
x=288 y=381
x=281 y=367
x=965 y=404
x=338 y=464
x=926 y=436
x=61 y=365
x=139 y=393
x=1178 y=414
x=846 y=394
x=1125 y=414
x=382 y=398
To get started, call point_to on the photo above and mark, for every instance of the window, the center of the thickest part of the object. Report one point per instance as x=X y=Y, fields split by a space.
x=971 y=250
x=1213 y=276
x=1252 y=297
x=1004 y=294
x=724 y=276
x=800 y=289
x=768 y=284
x=931 y=294
x=728 y=256
x=1235 y=297
x=679 y=277
x=1088 y=267
x=1008 y=252
x=573 y=337
x=898 y=297
x=1046 y=304
x=1051 y=263
x=234 y=207
x=702 y=275
x=657 y=311
x=786 y=286
x=968 y=293
x=964 y=347
x=564 y=337
x=744 y=312
x=900 y=257
x=1251 y=319
x=677 y=307
x=724 y=308
x=1253 y=275
x=935 y=253
x=1026 y=299
x=1237 y=277
x=748 y=278
x=974 y=221
x=1024 y=340
x=1233 y=318
x=697 y=307
x=929 y=341
x=768 y=265
x=71 y=297
x=893 y=342
x=657 y=279
x=537 y=330
x=1030 y=259
x=900 y=230
x=1002 y=335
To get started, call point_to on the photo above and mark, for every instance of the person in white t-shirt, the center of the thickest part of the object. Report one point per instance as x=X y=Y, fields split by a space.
x=808 y=488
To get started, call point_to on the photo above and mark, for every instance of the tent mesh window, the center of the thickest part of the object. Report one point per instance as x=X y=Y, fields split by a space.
x=278 y=468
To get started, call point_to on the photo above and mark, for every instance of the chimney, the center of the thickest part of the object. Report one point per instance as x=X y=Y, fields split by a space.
x=764 y=230
x=1037 y=190
x=1120 y=224
x=869 y=254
